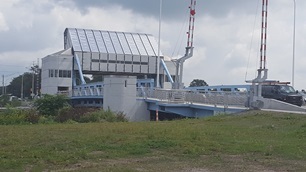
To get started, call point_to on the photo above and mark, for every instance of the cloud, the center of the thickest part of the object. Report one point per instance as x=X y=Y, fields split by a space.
x=224 y=50
x=3 y=24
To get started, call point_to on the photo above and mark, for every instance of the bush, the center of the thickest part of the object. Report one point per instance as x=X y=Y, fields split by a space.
x=4 y=100
x=32 y=116
x=12 y=119
x=46 y=120
x=12 y=116
x=69 y=113
x=50 y=104
x=103 y=116
x=85 y=115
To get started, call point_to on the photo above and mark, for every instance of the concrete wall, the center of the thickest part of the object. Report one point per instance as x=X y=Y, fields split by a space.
x=277 y=105
x=139 y=111
x=120 y=96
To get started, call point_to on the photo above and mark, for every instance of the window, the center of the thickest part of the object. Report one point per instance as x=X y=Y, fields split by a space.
x=69 y=74
x=65 y=73
x=59 y=73
x=51 y=73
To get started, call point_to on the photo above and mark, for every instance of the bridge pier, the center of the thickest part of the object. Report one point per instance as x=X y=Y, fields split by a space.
x=119 y=95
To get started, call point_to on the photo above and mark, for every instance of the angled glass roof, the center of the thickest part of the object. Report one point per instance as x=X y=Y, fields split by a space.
x=110 y=42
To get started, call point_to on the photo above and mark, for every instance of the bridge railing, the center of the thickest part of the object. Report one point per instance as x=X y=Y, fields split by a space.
x=185 y=96
x=175 y=96
x=80 y=92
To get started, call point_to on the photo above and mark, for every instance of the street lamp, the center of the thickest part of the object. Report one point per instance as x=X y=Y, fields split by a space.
x=293 y=48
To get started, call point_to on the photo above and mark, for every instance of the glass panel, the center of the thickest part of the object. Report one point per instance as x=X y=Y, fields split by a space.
x=140 y=45
x=75 y=40
x=91 y=41
x=108 y=42
x=147 y=45
x=154 y=44
x=69 y=74
x=116 y=42
x=124 y=43
x=51 y=73
x=131 y=43
x=83 y=40
x=100 y=42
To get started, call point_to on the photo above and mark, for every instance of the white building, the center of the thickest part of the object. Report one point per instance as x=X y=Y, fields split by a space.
x=101 y=52
x=56 y=73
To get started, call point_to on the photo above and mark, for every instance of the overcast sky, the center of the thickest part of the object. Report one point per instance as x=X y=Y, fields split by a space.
x=226 y=40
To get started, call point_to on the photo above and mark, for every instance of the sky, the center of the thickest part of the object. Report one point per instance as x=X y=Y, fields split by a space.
x=226 y=35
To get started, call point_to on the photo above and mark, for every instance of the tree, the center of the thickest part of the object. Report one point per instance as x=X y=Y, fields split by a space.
x=14 y=87
x=198 y=83
x=50 y=104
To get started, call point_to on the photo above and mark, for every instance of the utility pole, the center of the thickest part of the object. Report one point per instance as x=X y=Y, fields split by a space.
x=37 y=78
x=32 y=92
x=2 y=84
x=21 y=92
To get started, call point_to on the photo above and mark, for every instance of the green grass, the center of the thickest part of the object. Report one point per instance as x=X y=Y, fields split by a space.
x=253 y=141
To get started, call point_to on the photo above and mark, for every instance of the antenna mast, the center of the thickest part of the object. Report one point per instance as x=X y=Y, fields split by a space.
x=191 y=23
x=262 y=71
x=264 y=25
x=189 y=49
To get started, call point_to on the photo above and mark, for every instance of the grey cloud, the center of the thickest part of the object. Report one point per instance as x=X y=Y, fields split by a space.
x=173 y=9
x=35 y=38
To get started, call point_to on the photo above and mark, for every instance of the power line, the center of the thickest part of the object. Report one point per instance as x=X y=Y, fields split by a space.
x=10 y=65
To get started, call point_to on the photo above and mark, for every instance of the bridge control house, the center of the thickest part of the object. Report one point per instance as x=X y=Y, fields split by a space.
x=107 y=53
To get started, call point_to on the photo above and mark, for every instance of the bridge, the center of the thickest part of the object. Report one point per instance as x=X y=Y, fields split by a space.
x=189 y=102
x=180 y=102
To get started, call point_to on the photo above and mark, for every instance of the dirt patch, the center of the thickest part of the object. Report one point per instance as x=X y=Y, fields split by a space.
x=204 y=163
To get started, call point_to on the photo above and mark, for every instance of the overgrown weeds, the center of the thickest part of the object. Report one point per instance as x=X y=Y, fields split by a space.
x=219 y=143
x=55 y=109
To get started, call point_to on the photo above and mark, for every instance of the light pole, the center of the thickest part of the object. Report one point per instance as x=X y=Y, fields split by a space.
x=21 y=92
x=293 y=44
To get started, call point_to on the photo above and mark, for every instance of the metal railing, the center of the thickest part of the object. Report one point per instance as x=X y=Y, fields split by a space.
x=185 y=96
x=79 y=92
x=174 y=95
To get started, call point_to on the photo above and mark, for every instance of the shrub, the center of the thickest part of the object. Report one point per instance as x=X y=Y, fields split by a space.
x=4 y=99
x=32 y=116
x=46 y=120
x=69 y=113
x=85 y=115
x=103 y=116
x=12 y=119
x=15 y=103
x=12 y=116
x=50 y=104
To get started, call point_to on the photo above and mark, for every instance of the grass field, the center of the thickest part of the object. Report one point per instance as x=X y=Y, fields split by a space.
x=251 y=141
